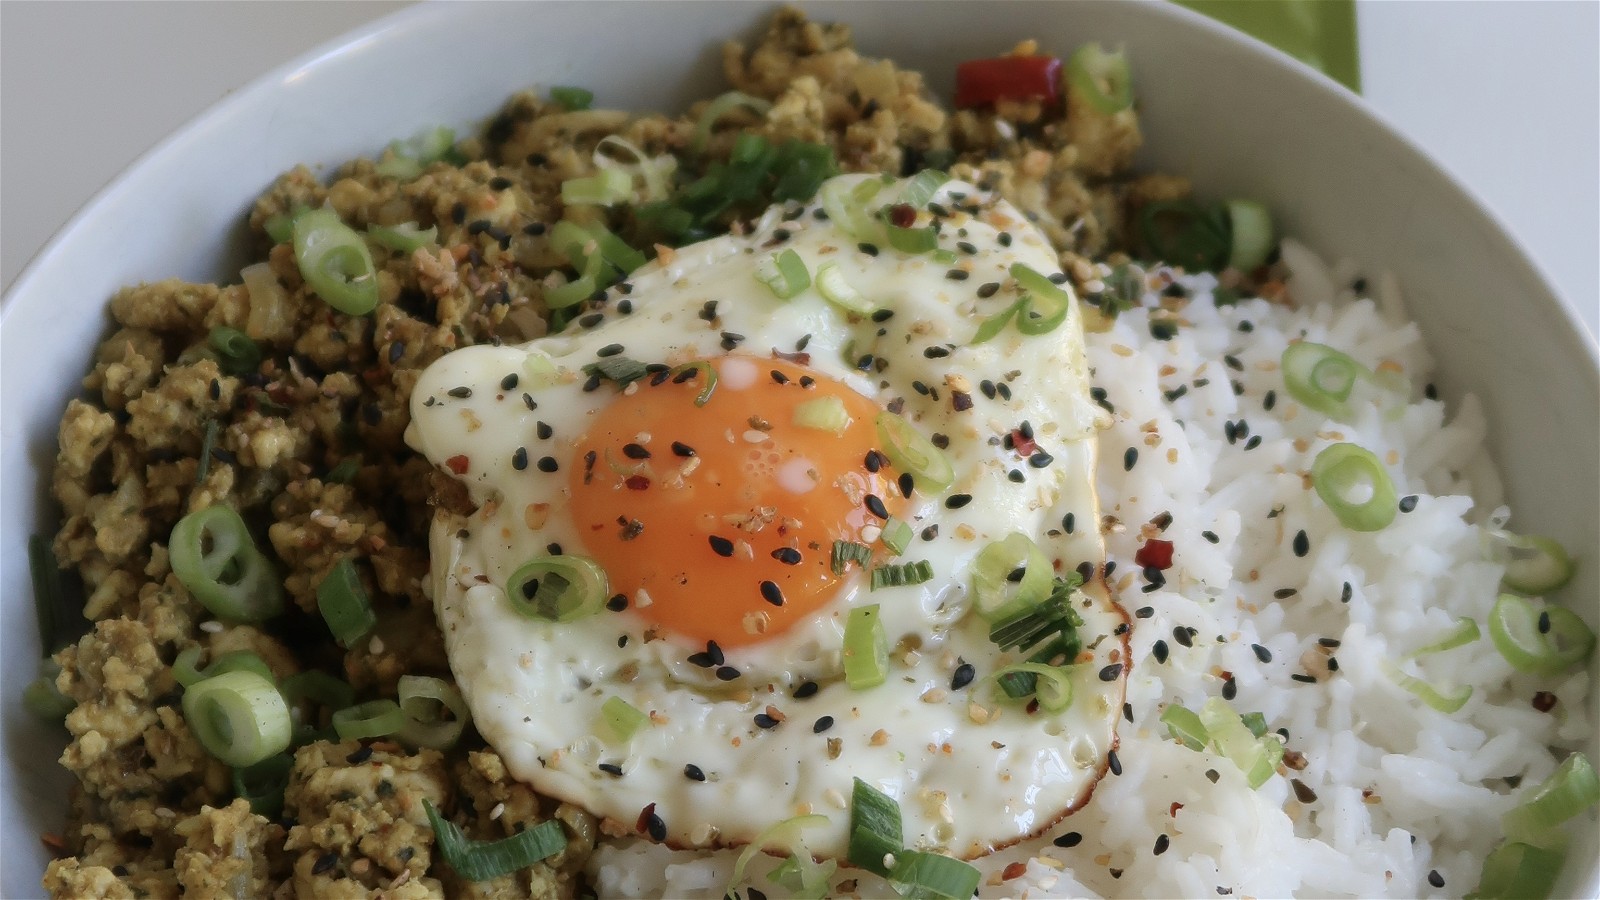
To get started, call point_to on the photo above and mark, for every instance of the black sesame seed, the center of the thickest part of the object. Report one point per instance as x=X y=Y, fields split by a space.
x=1004 y=238
x=822 y=724
x=1111 y=672
x=1144 y=612
x=617 y=603
x=1130 y=458
x=1113 y=762
x=956 y=501
x=1069 y=522
x=1183 y=635
x=988 y=289
x=1004 y=390
x=528 y=401
x=1127 y=712
x=625 y=306
x=936 y=352
x=875 y=506
x=1230 y=689
x=362 y=754
x=534 y=229
x=1303 y=791
x=721 y=545
x=1302 y=543
x=693 y=773
x=1305 y=679
x=543 y=430
x=635 y=451
x=940 y=440
x=1162 y=841
x=679 y=448
x=1333 y=664
x=1408 y=503
x=1284 y=593
x=1430 y=392
x=726 y=673
x=1070 y=839
x=1261 y=653
x=868 y=249
x=1040 y=459
x=1435 y=879
x=1176 y=392
x=931 y=532
x=611 y=769
x=701 y=659
x=806 y=689
x=771 y=593
x=787 y=555
x=460 y=392
x=656 y=827
x=1212 y=775
x=1016 y=476
x=519 y=459
x=548 y=464
x=592 y=384
x=1270 y=400
x=1233 y=363
x=325 y=863
x=592 y=319
x=765 y=721
x=1544 y=621
x=958 y=274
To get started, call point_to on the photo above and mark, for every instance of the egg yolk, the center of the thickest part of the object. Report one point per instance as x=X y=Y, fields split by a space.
x=715 y=512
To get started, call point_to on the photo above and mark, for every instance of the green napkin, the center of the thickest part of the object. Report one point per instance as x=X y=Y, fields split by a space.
x=1319 y=33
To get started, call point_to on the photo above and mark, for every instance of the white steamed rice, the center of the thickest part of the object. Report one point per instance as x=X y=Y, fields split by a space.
x=1391 y=792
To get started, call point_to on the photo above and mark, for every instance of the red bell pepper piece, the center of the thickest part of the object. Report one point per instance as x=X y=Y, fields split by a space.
x=983 y=82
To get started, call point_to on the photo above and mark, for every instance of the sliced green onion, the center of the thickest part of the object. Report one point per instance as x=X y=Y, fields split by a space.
x=574 y=242
x=803 y=877
x=570 y=294
x=875 y=828
x=279 y=227
x=43 y=697
x=719 y=107
x=833 y=287
x=1231 y=738
x=912 y=240
x=405 y=237
x=407 y=159
x=1570 y=791
x=1019 y=685
x=344 y=472
x=488 y=860
x=623 y=718
x=425 y=700
x=801 y=168
x=572 y=99
x=607 y=187
x=1355 y=486
x=239 y=717
x=374 y=718
x=846 y=203
x=214 y=557
x=783 y=835
x=1184 y=233
x=866 y=649
x=707 y=373
x=918 y=873
x=1251 y=237
x=558 y=588
x=1183 y=724
x=901 y=575
x=1046 y=303
x=785 y=274
x=654 y=170
x=1321 y=377
x=995 y=595
x=263 y=784
x=540 y=369
x=823 y=414
x=1100 y=78
x=614 y=249
x=323 y=690
x=1465 y=632
x=909 y=451
x=344 y=604
x=208 y=442
x=60 y=621
x=846 y=552
x=1053 y=616
x=186 y=672
x=1544 y=641
x=993 y=325
x=1445 y=700
x=1534 y=563
x=620 y=369
x=1256 y=722
x=896 y=536
x=1052 y=684
x=236 y=353
x=335 y=262
x=1515 y=871
x=921 y=187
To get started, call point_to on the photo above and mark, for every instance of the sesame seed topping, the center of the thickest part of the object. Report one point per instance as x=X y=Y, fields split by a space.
x=693 y=773
x=874 y=505
x=548 y=464
x=1111 y=672
x=726 y=673
x=805 y=689
x=956 y=501
x=962 y=677
x=765 y=721
x=1302 y=543
x=822 y=724
x=721 y=546
x=771 y=593
x=611 y=769
x=635 y=451
x=681 y=449
x=787 y=555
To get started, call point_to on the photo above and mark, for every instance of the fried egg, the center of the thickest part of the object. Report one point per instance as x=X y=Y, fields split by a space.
x=713 y=505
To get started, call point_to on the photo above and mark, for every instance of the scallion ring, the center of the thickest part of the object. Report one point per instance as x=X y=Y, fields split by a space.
x=1465 y=632
x=558 y=588
x=1444 y=699
x=187 y=673
x=719 y=107
x=996 y=595
x=236 y=353
x=607 y=187
x=1100 y=78
x=214 y=557
x=572 y=99
x=705 y=371
x=920 y=188
x=1250 y=237
x=912 y=240
x=1231 y=738
x=344 y=605
x=322 y=690
x=866 y=649
x=1321 y=377
x=993 y=325
x=263 y=785
x=622 y=718
x=1052 y=684
x=875 y=828
x=1570 y=791
x=372 y=719
x=896 y=536
x=1545 y=640
x=920 y=873
x=1534 y=563
x=43 y=696
x=823 y=414
x=239 y=717
x=405 y=237
x=1354 y=485
x=783 y=835
x=909 y=451
x=1184 y=726
x=487 y=860
x=1514 y=870
x=846 y=202
x=784 y=274
x=335 y=262
x=1046 y=303
x=426 y=700
x=836 y=289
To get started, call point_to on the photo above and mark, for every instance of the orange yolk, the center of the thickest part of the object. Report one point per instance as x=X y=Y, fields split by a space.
x=717 y=521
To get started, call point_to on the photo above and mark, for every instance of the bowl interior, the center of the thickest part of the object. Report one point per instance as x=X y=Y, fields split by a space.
x=1235 y=116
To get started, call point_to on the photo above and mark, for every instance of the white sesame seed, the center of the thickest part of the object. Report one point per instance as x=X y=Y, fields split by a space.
x=498 y=811
x=641 y=598
x=375 y=646
x=211 y=626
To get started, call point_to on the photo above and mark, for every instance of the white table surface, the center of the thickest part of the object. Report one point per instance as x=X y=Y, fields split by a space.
x=1505 y=94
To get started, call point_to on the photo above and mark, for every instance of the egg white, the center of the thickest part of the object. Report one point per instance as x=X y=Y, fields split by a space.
x=967 y=779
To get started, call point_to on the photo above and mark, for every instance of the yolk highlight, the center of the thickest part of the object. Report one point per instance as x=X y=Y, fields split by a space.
x=718 y=521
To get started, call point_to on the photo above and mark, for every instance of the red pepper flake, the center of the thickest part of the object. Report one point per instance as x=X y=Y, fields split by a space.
x=1156 y=554
x=799 y=358
x=1544 y=701
x=55 y=844
x=643 y=825
x=1014 y=870
x=902 y=215
x=636 y=482
x=457 y=464
x=1172 y=811
x=1022 y=443
x=984 y=82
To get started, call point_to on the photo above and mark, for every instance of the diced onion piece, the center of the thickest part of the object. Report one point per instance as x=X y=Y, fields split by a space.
x=896 y=536
x=375 y=718
x=909 y=451
x=834 y=288
x=623 y=718
x=558 y=588
x=1519 y=871
x=866 y=649
x=1570 y=791
x=405 y=237
x=1445 y=700
x=995 y=596
x=1321 y=377
x=215 y=559
x=1353 y=483
x=239 y=717
x=424 y=700
x=822 y=414
x=875 y=828
x=1100 y=78
x=487 y=860
x=1250 y=234
x=785 y=274
x=1465 y=632
x=1045 y=304
x=344 y=604
x=1052 y=684
x=1534 y=563
x=1544 y=641
x=607 y=187
x=335 y=262
x=1184 y=726
x=919 y=873
x=262 y=785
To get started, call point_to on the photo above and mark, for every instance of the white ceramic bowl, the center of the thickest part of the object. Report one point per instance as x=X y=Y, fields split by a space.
x=1234 y=115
